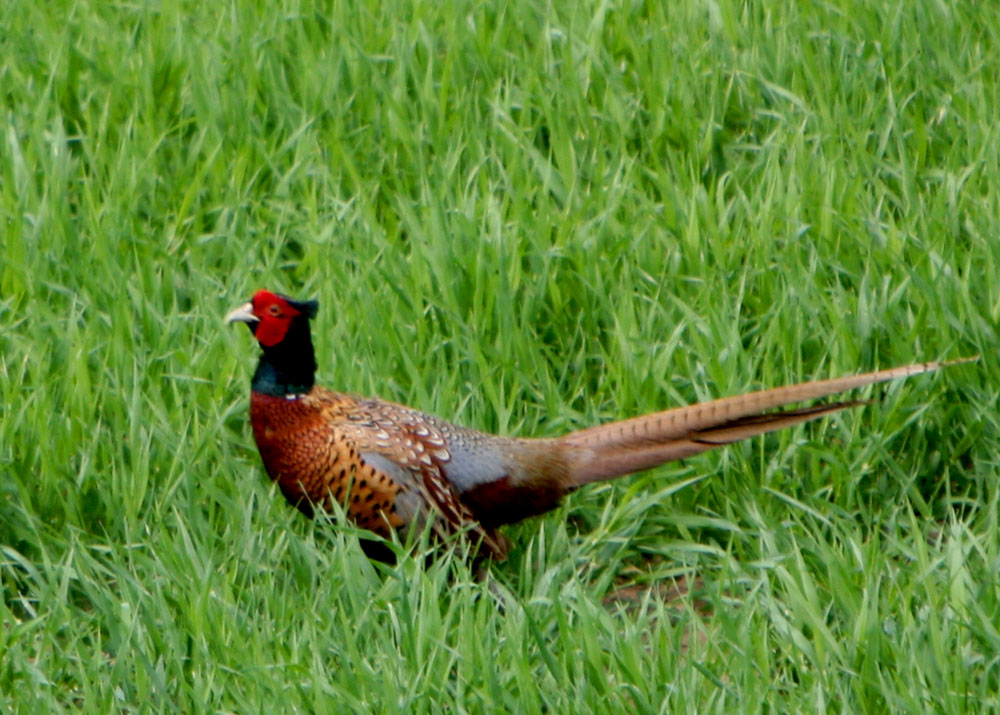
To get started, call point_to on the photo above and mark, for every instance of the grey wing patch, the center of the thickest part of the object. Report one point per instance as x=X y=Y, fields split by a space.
x=473 y=464
x=403 y=477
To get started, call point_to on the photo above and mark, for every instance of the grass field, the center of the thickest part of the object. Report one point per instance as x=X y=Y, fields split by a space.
x=527 y=219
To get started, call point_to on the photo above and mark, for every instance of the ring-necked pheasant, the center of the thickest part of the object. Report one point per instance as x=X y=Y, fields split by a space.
x=392 y=467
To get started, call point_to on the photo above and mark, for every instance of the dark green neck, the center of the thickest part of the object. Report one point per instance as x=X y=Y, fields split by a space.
x=288 y=368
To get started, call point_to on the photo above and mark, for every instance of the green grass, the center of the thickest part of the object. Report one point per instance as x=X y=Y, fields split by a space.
x=527 y=219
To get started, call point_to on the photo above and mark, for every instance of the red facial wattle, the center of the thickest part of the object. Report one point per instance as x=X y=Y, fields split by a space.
x=275 y=315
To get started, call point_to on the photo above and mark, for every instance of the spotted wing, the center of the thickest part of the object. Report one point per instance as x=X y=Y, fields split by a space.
x=412 y=449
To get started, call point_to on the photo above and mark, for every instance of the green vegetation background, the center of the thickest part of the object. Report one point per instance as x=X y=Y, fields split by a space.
x=527 y=218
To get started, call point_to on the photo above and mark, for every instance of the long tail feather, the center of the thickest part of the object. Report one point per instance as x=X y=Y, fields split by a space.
x=619 y=448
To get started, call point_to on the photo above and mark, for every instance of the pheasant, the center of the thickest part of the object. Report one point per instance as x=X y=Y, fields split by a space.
x=393 y=468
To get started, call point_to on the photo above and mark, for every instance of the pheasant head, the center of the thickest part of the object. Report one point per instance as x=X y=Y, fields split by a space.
x=281 y=326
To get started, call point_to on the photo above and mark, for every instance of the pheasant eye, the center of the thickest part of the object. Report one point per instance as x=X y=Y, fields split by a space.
x=274 y=309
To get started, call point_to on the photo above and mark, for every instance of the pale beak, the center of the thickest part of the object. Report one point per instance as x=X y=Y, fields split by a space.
x=243 y=314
